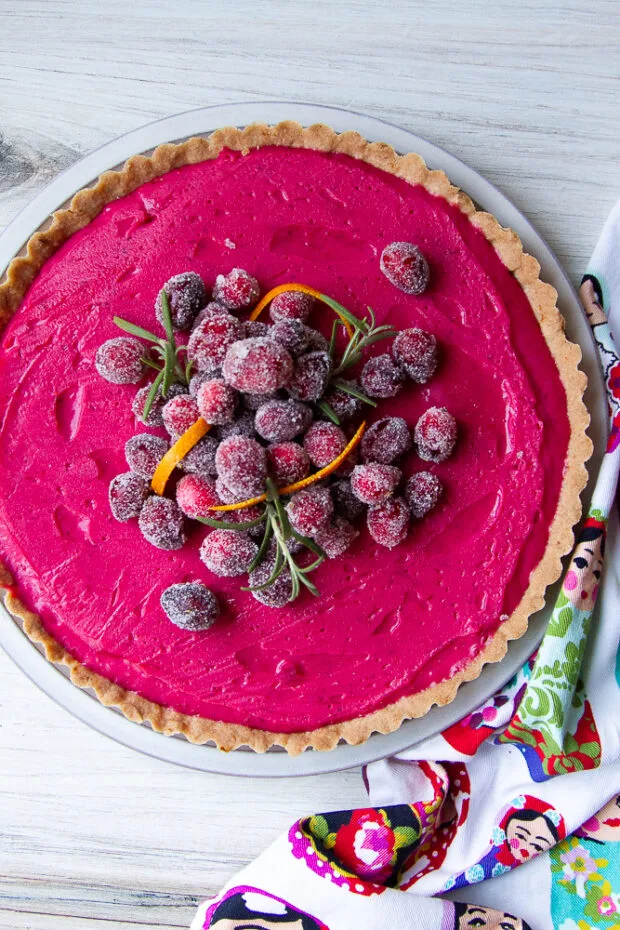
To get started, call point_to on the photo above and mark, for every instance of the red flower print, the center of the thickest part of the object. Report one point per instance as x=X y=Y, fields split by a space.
x=366 y=845
x=614 y=380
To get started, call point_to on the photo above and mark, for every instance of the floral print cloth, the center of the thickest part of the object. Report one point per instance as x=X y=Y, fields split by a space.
x=510 y=819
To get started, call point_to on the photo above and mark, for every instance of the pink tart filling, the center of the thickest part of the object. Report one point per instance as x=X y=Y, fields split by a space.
x=389 y=622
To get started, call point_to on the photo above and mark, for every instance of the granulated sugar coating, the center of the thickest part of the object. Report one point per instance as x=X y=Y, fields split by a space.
x=211 y=307
x=381 y=377
x=388 y=523
x=120 y=360
x=405 y=267
x=242 y=425
x=210 y=340
x=435 y=434
x=310 y=510
x=344 y=405
x=154 y=417
x=324 y=442
x=254 y=329
x=216 y=401
x=416 y=352
x=227 y=496
x=127 y=494
x=336 y=538
x=228 y=553
x=190 y=606
x=201 y=459
x=186 y=297
x=241 y=463
x=277 y=594
x=386 y=440
x=292 y=334
x=179 y=413
x=317 y=342
x=282 y=420
x=161 y=523
x=292 y=305
x=257 y=366
x=374 y=483
x=288 y=463
x=197 y=495
x=311 y=375
x=422 y=492
x=254 y=401
x=201 y=377
x=236 y=290
x=144 y=453
x=346 y=504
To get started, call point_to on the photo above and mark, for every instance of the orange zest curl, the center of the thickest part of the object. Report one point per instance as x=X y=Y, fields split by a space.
x=282 y=289
x=178 y=451
x=305 y=482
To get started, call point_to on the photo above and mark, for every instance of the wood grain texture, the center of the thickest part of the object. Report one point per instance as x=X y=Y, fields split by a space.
x=93 y=835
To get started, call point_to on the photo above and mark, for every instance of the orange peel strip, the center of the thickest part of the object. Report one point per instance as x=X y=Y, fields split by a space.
x=283 y=289
x=178 y=451
x=305 y=482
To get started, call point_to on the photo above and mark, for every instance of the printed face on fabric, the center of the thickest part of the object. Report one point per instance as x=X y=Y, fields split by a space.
x=475 y=917
x=245 y=908
x=529 y=833
x=604 y=827
x=582 y=579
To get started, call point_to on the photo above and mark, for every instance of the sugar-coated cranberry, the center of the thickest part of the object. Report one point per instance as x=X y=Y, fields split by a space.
x=216 y=401
x=154 y=417
x=292 y=305
x=226 y=495
x=292 y=334
x=310 y=510
x=346 y=504
x=288 y=463
x=254 y=401
x=246 y=515
x=200 y=460
x=186 y=295
x=257 y=366
x=228 y=553
x=190 y=606
x=236 y=290
x=316 y=340
x=277 y=594
x=422 y=492
x=242 y=425
x=201 y=377
x=388 y=523
x=405 y=267
x=196 y=496
x=210 y=341
x=254 y=329
x=311 y=375
x=386 y=440
x=282 y=420
x=344 y=405
x=242 y=465
x=161 y=523
x=416 y=352
x=179 y=414
x=127 y=494
x=435 y=434
x=336 y=538
x=374 y=483
x=211 y=307
x=324 y=442
x=381 y=377
x=120 y=360
x=144 y=452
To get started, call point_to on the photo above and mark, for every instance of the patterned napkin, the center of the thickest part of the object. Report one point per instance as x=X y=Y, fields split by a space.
x=510 y=819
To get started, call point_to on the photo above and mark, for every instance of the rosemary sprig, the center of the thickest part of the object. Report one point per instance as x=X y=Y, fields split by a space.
x=329 y=411
x=348 y=388
x=365 y=333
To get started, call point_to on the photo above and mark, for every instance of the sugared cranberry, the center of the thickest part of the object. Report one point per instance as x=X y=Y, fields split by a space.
x=381 y=377
x=190 y=606
x=257 y=366
x=154 y=417
x=144 y=452
x=405 y=267
x=179 y=414
x=211 y=307
x=316 y=340
x=311 y=375
x=161 y=523
x=422 y=493
x=210 y=341
x=197 y=495
x=416 y=352
x=120 y=360
x=201 y=378
x=246 y=515
x=388 y=523
x=216 y=401
x=288 y=463
x=228 y=553
x=435 y=434
x=374 y=483
x=242 y=465
x=127 y=494
x=336 y=538
x=254 y=401
x=386 y=441
x=310 y=510
x=344 y=405
x=292 y=305
x=346 y=504
x=254 y=329
x=200 y=460
x=236 y=290
x=226 y=495
x=277 y=594
x=292 y=334
x=186 y=297
x=324 y=442
x=282 y=420
x=242 y=425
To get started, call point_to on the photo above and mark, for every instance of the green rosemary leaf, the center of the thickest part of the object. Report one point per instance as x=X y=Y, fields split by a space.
x=278 y=568
x=150 y=397
x=128 y=327
x=225 y=525
x=354 y=321
x=353 y=391
x=329 y=412
x=332 y=341
x=150 y=363
x=168 y=370
x=262 y=549
x=165 y=312
x=312 y=588
x=312 y=566
x=294 y=586
x=309 y=544
x=188 y=369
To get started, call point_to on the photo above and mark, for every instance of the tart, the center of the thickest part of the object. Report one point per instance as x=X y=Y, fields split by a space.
x=396 y=630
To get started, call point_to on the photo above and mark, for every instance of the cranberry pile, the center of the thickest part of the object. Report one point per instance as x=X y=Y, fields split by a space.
x=283 y=402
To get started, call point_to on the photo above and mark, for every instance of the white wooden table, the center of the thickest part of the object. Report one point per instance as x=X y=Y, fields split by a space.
x=93 y=835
